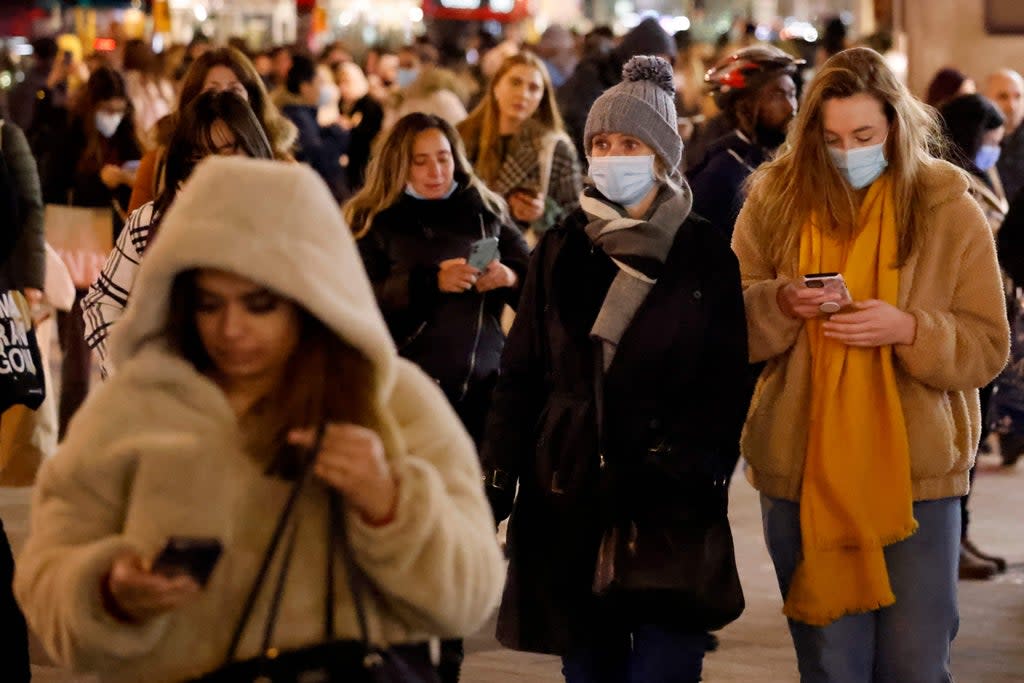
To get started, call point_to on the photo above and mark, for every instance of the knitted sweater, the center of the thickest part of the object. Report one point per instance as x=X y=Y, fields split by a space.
x=951 y=284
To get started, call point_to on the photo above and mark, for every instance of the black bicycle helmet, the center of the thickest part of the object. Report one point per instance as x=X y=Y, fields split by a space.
x=746 y=71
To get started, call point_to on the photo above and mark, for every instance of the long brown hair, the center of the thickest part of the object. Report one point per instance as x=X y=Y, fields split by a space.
x=803 y=180
x=388 y=172
x=326 y=380
x=280 y=131
x=481 y=129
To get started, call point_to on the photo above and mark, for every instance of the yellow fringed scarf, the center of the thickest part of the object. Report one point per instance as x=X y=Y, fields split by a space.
x=856 y=494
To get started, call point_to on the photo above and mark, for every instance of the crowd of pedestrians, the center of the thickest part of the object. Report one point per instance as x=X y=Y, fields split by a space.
x=358 y=311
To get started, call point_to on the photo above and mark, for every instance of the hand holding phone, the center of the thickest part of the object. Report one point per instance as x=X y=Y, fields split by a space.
x=133 y=592
x=833 y=285
x=482 y=253
x=191 y=556
x=799 y=300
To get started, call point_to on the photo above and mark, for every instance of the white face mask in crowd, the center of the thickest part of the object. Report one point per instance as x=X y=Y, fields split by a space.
x=107 y=123
x=987 y=156
x=861 y=165
x=625 y=180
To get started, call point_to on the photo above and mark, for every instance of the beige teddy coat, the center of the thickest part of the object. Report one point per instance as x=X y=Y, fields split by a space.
x=157 y=451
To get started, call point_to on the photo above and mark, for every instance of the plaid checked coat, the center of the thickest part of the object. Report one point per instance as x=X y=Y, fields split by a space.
x=524 y=165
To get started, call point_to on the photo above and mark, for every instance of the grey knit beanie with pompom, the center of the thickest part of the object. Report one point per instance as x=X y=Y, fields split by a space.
x=642 y=105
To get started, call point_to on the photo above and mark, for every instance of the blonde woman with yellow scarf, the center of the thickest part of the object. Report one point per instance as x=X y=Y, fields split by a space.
x=865 y=422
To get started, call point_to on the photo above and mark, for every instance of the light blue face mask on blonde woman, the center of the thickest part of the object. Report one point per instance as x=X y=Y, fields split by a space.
x=861 y=165
x=624 y=180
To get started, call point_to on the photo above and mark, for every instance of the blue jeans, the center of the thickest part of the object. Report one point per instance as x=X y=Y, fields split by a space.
x=907 y=642
x=644 y=654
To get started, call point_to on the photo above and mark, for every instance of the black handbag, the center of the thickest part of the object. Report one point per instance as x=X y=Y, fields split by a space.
x=334 y=660
x=689 y=569
x=683 y=566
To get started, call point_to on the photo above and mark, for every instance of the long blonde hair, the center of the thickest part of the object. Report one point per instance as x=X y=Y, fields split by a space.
x=481 y=130
x=803 y=180
x=388 y=172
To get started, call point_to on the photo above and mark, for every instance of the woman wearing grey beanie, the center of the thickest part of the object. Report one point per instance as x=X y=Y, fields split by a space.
x=618 y=412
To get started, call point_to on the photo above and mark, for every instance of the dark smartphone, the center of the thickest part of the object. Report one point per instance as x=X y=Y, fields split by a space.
x=189 y=555
x=483 y=252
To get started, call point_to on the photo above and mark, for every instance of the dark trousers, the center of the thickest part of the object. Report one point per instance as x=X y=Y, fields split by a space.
x=14 y=660
x=645 y=653
x=985 y=395
x=452 y=654
x=77 y=364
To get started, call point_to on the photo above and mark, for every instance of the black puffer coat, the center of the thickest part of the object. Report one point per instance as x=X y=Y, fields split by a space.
x=674 y=405
x=456 y=338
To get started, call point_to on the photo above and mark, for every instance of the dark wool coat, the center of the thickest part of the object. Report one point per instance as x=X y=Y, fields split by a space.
x=717 y=182
x=674 y=405
x=455 y=338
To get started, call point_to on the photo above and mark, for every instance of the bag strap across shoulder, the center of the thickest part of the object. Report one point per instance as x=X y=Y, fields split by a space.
x=268 y=556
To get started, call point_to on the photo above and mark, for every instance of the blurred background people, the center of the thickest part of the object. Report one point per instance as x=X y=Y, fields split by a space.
x=946 y=84
x=517 y=144
x=557 y=48
x=151 y=94
x=320 y=146
x=90 y=167
x=219 y=69
x=1006 y=88
x=601 y=70
x=362 y=115
x=974 y=128
x=755 y=91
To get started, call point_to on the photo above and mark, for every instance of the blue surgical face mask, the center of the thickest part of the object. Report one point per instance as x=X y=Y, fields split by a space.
x=623 y=180
x=987 y=156
x=413 y=193
x=406 y=77
x=328 y=95
x=861 y=165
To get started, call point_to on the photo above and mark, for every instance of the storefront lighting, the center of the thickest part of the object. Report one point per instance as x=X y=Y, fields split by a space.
x=200 y=12
x=415 y=15
x=673 y=25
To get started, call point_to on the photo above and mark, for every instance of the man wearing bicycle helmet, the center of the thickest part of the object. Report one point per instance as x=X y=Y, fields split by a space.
x=755 y=90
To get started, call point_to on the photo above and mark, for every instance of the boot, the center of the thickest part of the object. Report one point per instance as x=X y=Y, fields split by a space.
x=999 y=562
x=973 y=568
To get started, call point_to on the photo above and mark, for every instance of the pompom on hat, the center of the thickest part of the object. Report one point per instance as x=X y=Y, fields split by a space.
x=643 y=105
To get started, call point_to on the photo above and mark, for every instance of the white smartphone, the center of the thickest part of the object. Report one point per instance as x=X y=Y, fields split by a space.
x=832 y=282
x=483 y=252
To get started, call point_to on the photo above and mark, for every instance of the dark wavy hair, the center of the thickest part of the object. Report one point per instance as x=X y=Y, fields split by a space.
x=965 y=120
x=192 y=140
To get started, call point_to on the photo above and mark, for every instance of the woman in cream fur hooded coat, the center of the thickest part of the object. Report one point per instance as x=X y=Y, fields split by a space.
x=160 y=451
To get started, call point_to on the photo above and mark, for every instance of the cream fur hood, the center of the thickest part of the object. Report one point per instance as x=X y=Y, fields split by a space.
x=270 y=223
x=157 y=451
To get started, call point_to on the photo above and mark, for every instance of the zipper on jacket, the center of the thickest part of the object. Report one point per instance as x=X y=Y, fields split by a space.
x=479 y=328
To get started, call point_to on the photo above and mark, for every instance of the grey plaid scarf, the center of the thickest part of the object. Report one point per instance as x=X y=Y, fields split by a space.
x=639 y=248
